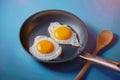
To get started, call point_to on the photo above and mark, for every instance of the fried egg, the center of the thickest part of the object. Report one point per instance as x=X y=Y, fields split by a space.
x=45 y=48
x=63 y=34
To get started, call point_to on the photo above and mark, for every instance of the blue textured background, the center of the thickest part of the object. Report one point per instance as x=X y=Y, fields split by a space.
x=16 y=64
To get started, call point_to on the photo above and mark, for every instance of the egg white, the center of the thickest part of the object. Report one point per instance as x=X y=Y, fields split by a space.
x=53 y=55
x=72 y=40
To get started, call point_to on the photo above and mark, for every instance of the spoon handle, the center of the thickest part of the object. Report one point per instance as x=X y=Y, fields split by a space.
x=86 y=66
x=108 y=63
x=83 y=71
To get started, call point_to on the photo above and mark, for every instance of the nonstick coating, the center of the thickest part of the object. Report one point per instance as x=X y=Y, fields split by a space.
x=38 y=23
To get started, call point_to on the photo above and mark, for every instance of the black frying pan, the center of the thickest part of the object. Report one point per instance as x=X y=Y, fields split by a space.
x=38 y=23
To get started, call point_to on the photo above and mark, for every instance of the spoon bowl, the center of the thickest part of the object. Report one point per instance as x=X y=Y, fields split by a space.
x=104 y=38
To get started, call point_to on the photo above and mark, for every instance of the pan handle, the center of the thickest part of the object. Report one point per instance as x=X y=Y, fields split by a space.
x=95 y=59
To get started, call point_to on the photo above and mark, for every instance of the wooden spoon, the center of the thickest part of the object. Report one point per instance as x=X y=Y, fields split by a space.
x=104 y=38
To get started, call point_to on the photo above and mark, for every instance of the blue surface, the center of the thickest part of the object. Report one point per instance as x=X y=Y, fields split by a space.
x=16 y=64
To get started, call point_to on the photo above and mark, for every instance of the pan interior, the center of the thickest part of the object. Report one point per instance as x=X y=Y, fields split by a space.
x=38 y=24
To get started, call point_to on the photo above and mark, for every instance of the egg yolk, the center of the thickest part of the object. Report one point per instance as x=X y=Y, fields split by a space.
x=45 y=46
x=62 y=33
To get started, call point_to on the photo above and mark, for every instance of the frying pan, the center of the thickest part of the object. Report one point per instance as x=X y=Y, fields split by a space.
x=38 y=23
